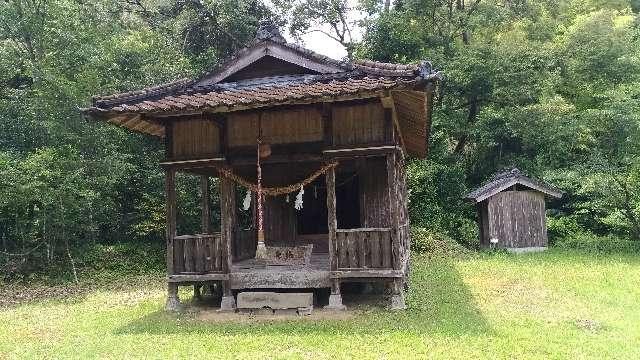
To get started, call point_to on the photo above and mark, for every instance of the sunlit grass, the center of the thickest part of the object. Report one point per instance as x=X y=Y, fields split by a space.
x=550 y=305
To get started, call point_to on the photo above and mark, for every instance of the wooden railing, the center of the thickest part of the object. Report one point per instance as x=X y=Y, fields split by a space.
x=198 y=254
x=364 y=248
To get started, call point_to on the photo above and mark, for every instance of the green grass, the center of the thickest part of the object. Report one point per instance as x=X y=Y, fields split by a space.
x=557 y=304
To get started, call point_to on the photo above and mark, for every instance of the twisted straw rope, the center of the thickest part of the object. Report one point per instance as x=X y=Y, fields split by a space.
x=275 y=191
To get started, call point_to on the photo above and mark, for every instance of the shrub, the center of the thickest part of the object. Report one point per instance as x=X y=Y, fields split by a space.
x=434 y=244
x=559 y=228
x=596 y=244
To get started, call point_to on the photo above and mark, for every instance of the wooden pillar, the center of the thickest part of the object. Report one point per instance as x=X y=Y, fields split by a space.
x=171 y=206
x=173 y=302
x=227 y=217
x=332 y=224
x=335 y=298
x=205 y=201
x=393 y=195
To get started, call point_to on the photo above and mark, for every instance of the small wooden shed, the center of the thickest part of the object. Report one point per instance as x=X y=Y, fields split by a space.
x=511 y=212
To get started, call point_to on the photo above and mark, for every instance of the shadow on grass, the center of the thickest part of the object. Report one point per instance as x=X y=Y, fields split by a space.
x=438 y=302
x=16 y=295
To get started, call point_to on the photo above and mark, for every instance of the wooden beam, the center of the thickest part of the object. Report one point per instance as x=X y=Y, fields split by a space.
x=369 y=273
x=276 y=159
x=193 y=164
x=330 y=179
x=197 y=277
x=389 y=103
x=362 y=229
x=363 y=151
x=171 y=206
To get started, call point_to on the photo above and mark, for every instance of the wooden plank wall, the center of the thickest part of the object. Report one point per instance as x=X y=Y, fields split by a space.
x=280 y=222
x=517 y=219
x=359 y=123
x=374 y=195
x=195 y=138
x=294 y=125
x=244 y=244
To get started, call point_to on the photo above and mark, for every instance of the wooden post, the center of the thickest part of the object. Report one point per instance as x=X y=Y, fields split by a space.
x=205 y=222
x=170 y=195
x=173 y=302
x=227 y=216
x=393 y=211
x=205 y=201
x=335 y=298
x=227 y=211
x=332 y=224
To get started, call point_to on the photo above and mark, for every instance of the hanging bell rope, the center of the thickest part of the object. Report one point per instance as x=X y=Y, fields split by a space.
x=276 y=191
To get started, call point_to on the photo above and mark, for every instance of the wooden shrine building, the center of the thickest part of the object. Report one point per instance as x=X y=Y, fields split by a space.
x=338 y=131
x=511 y=212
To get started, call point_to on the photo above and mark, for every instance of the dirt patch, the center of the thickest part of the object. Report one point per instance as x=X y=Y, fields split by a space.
x=213 y=315
x=588 y=324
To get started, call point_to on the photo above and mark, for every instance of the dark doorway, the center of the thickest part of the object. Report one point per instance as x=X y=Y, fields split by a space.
x=312 y=218
x=347 y=200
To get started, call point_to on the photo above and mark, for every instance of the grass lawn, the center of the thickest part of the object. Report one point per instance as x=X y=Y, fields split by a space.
x=551 y=305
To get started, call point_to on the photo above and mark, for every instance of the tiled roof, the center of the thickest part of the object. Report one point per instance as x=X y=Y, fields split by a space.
x=505 y=180
x=183 y=95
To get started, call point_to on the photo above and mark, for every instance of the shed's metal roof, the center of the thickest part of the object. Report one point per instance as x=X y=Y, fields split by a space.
x=507 y=179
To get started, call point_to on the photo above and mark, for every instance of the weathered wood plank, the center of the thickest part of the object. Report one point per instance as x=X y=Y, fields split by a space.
x=178 y=255
x=374 y=241
x=217 y=252
x=368 y=273
x=364 y=229
x=330 y=180
x=386 y=250
x=199 y=254
x=188 y=256
x=362 y=244
x=197 y=277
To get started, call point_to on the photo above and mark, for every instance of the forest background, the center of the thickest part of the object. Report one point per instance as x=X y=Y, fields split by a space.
x=552 y=87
